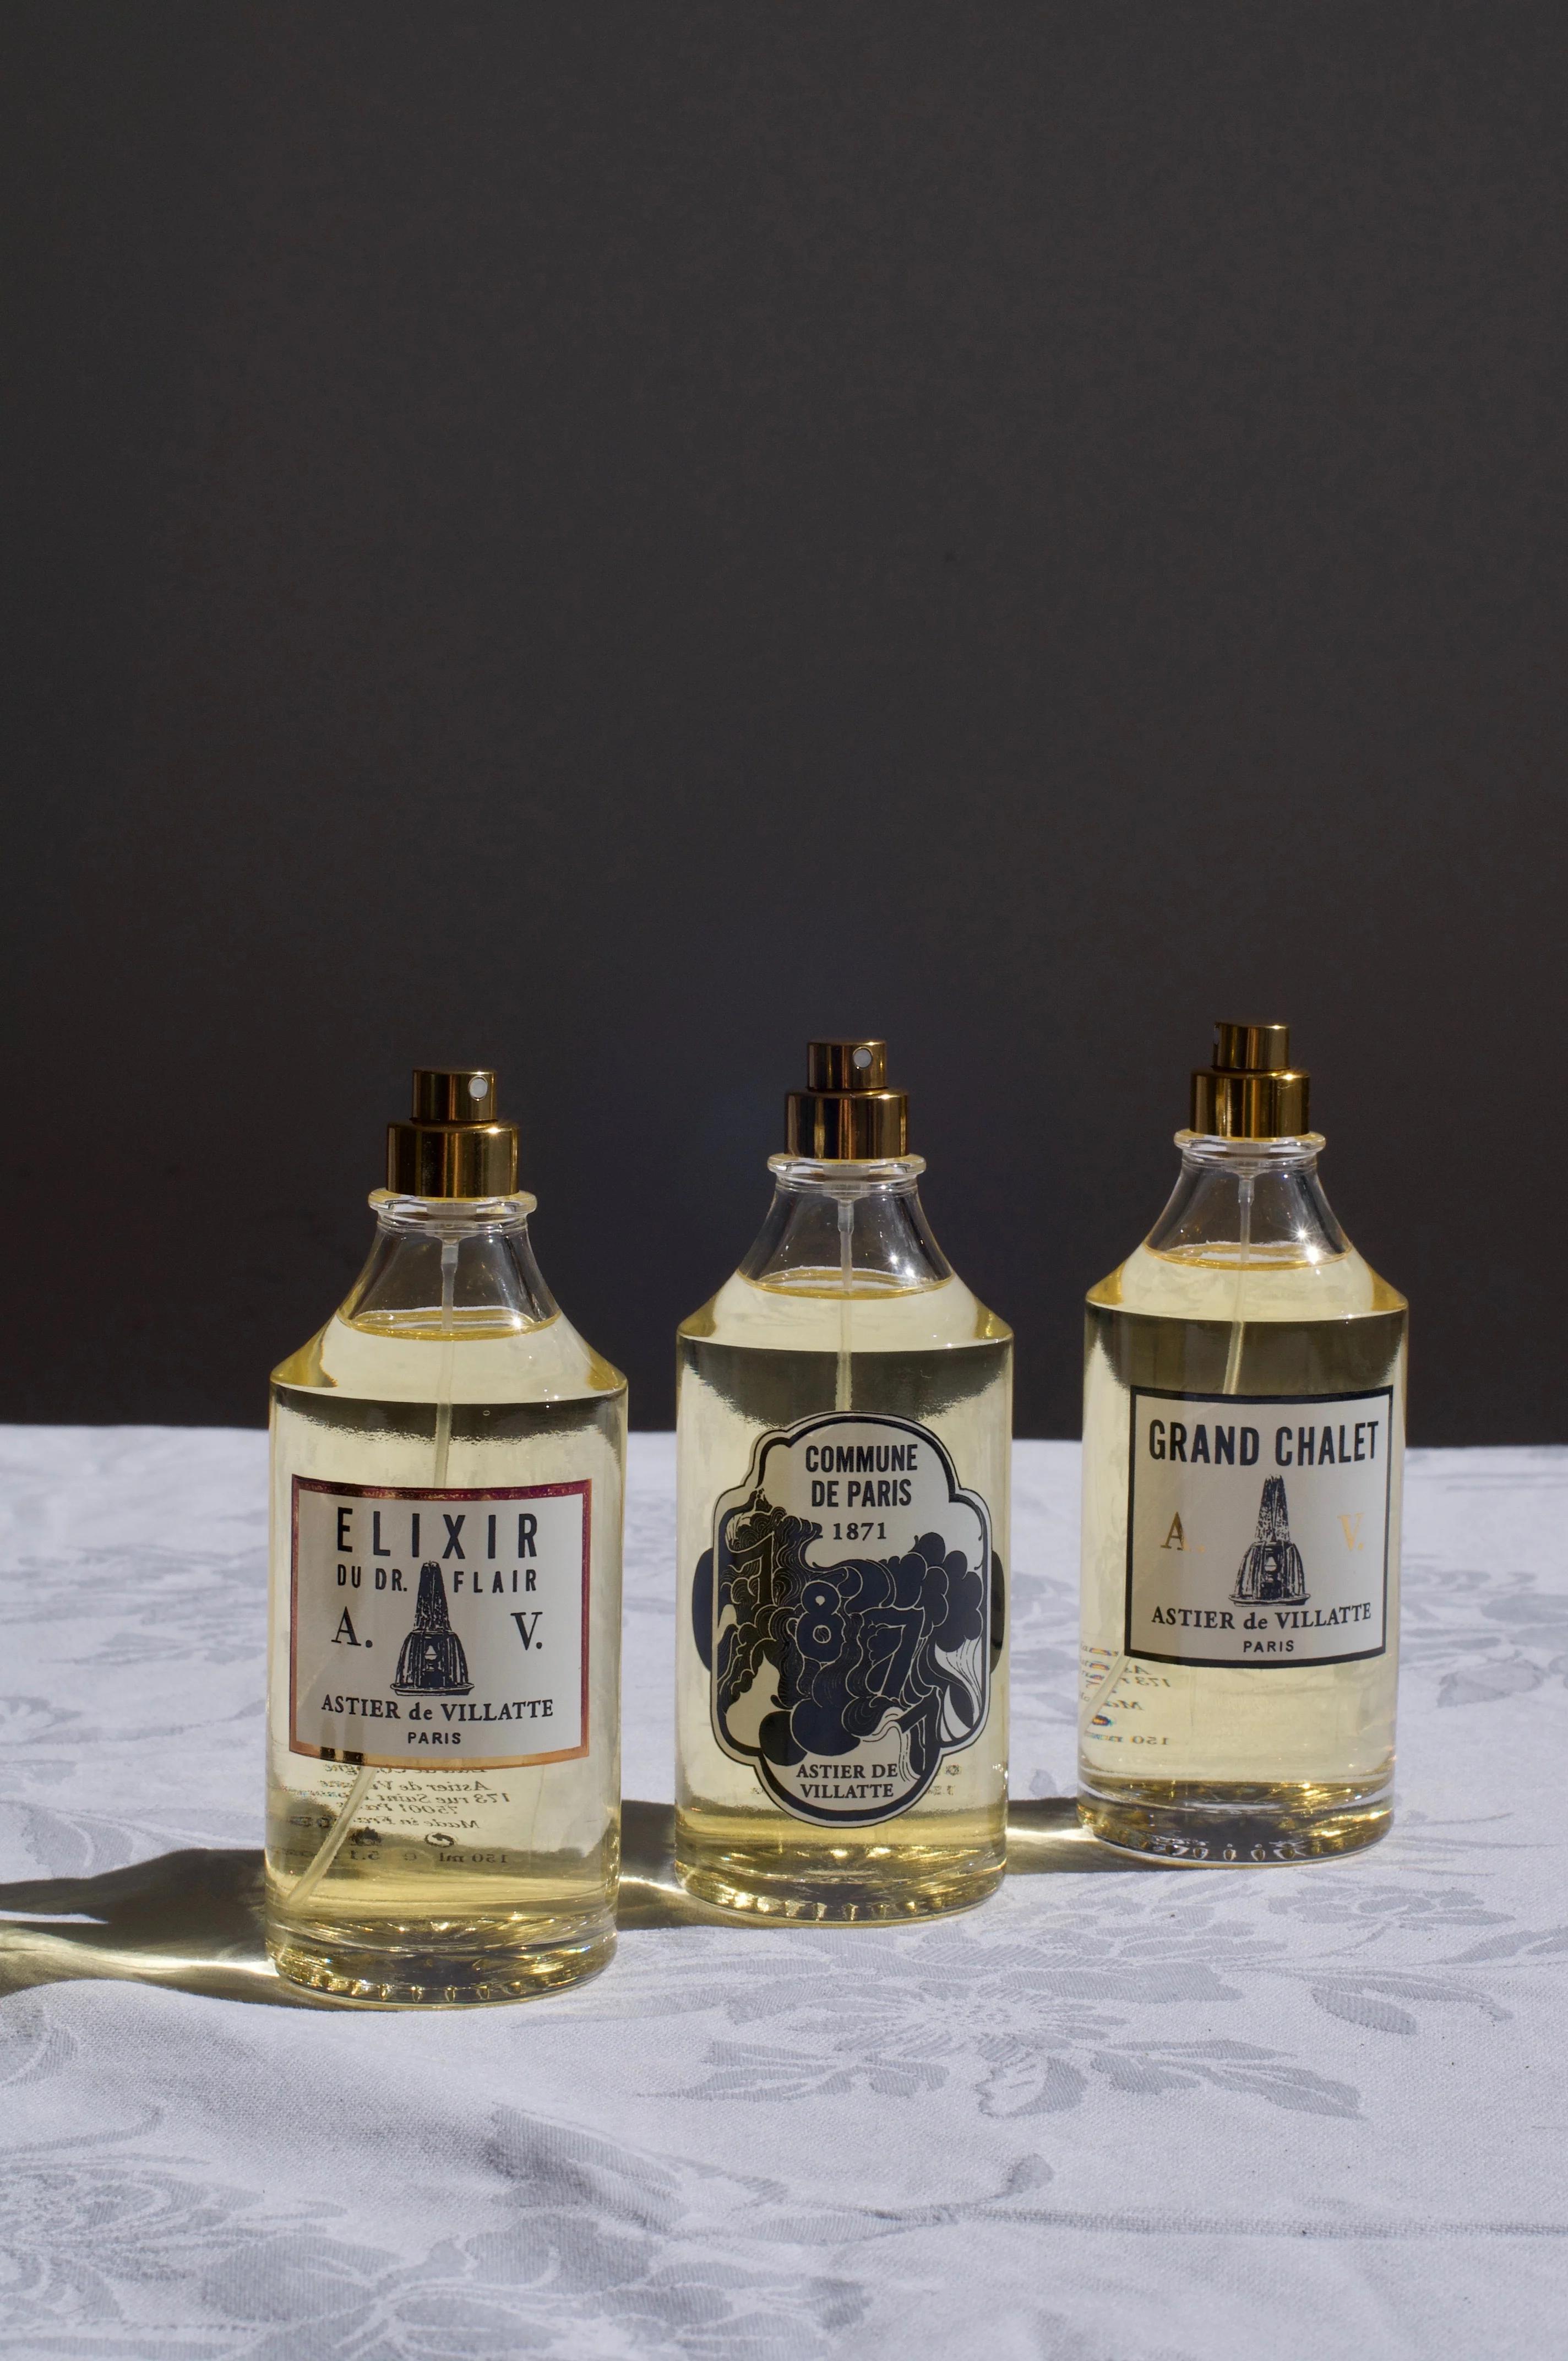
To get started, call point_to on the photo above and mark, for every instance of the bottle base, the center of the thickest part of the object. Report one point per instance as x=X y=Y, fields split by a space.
x=376 y=1973
x=1209 y=1824
x=827 y=1900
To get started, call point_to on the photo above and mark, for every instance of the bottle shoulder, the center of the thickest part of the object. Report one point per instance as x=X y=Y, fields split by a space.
x=1212 y=1285
x=542 y=1360
x=809 y=1317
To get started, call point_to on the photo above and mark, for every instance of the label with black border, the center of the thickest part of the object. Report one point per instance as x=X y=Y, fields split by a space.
x=1258 y=1528
x=439 y=1630
x=849 y=1612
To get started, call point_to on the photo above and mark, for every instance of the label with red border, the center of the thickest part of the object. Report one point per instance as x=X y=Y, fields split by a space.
x=439 y=1629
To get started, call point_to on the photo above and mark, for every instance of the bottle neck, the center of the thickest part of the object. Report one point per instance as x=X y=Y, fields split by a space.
x=1258 y=1201
x=449 y=1266
x=841 y=1228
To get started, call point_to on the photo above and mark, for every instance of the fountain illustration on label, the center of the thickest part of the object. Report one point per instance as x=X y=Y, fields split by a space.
x=431 y=1662
x=1272 y=1574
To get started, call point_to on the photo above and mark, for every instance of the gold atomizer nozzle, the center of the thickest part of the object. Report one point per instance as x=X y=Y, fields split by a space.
x=454 y=1144
x=1251 y=1090
x=846 y=1113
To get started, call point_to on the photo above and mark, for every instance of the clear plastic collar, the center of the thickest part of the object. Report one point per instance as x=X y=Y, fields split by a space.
x=1294 y=1153
x=451 y=1216
x=844 y=1180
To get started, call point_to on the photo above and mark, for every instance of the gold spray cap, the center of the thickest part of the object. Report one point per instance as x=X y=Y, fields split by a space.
x=455 y=1144
x=846 y=1113
x=1252 y=1091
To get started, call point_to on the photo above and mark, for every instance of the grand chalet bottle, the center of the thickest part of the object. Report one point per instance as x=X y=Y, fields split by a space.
x=1243 y=1441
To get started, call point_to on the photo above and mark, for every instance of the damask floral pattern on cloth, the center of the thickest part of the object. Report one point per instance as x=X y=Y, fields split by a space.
x=1118 y=2115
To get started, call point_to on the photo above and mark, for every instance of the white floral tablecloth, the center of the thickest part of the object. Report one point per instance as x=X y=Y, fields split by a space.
x=1119 y=2115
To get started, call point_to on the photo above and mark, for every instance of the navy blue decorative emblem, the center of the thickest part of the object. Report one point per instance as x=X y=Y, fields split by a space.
x=850 y=1613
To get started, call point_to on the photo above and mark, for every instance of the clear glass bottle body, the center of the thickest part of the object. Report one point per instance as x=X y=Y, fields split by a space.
x=1246 y=1297
x=447 y=1386
x=845 y=1312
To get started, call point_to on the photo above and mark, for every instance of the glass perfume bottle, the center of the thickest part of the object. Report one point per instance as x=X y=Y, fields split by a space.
x=844 y=1435
x=447 y=1463
x=1243 y=1420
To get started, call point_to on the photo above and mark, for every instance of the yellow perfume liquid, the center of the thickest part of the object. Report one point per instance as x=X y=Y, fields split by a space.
x=1243 y=1424
x=443 y=1757
x=844 y=1425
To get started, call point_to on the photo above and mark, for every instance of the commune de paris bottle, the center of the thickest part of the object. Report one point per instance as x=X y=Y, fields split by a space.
x=1243 y=1421
x=844 y=1431
x=447 y=1459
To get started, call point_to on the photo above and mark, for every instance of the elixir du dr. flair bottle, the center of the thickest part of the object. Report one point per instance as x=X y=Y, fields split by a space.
x=1243 y=1440
x=844 y=1424
x=447 y=1463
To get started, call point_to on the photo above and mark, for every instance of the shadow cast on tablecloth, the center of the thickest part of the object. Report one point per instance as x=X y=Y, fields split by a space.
x=191 y=1920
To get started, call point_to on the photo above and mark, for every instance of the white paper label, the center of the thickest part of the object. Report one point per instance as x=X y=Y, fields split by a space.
x=846 y=1612
x=440 y=1629
x=1257 y=1528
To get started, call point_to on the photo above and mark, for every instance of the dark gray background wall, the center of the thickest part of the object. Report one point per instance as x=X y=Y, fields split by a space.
x=608 y=538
